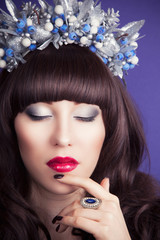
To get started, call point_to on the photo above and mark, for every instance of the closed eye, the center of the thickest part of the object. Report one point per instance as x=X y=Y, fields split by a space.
x=85 y=119
x=38 y=118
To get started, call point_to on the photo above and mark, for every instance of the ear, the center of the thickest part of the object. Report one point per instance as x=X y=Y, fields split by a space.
x=105 y=184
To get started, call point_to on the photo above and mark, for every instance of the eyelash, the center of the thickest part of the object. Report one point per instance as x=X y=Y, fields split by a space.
x=38 y=118
x=85 y=119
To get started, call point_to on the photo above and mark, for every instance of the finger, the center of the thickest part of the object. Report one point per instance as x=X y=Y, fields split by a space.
x=81 y=223
x=105 y=184
x=88 y=184
x=89 y=214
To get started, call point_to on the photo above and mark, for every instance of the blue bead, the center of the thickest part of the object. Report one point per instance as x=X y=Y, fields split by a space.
x=133 y=52
x=124 y=41
x=54 y=19
x=119 y=56
x=21 y=23
x=72 y=36
x=86 y=28
x=99 y=38
x=31 y=29
x=93 y=48
x=64 y=28
x=105 y=60
x=19 y=30
x=32 y=47
x=55 y=30
x=126 y=67
x=131 y=66
x=62 y=16
x=129 y=54
x=101 y=30
x=4 y=58
x=90 y=200
x=9 y=52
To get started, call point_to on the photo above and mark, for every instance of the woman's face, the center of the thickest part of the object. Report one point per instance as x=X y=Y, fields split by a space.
x=59 y=137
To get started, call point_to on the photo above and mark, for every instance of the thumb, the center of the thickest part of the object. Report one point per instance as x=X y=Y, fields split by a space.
x=105 y=184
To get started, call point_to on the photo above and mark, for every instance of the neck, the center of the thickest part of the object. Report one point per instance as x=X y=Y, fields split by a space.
x=48 y=205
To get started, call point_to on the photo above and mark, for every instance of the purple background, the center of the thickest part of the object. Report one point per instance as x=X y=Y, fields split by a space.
x=143 y=82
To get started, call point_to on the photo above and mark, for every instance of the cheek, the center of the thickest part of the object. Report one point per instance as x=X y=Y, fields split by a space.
x=30 y=140
x=92 y=139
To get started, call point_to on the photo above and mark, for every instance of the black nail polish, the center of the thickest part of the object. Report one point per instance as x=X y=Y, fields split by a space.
x=57 y=218
x=57 y=228
x=58 y=176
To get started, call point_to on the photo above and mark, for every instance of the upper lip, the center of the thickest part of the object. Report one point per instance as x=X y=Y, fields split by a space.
x=62 y=160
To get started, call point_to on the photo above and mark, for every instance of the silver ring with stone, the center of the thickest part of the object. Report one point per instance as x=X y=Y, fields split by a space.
x=90 y=202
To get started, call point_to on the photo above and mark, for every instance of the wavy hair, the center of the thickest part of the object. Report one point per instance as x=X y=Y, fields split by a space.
x=76 y=74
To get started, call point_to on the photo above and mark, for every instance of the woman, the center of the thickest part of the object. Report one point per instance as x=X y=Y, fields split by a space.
x=68 y=129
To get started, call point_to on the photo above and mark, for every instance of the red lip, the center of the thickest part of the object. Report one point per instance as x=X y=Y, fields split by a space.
x=62 y=164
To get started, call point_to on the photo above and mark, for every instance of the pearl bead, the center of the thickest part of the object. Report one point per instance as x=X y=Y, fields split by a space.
x=72 y=19
x=134 y=60
x=29 y=22
x=2 y=64
x=48 y=27
x=134 y=44
x=136 y=35
x=90 y=36
x=84 y=40
x=95 y=22
x=48 y=15
x=27 y=34
x=98 y=45
x=2 y=52
x=26 y=42
x=58 y=9
x=59 y=22
x=93 y=30
x=69 y=40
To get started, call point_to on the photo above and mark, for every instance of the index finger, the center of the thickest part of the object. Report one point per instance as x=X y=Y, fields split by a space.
x=88 y=184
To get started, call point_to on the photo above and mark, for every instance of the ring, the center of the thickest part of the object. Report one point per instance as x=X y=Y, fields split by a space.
x=90 y=202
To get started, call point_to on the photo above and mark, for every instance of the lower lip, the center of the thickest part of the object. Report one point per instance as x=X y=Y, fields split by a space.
x=65 y=167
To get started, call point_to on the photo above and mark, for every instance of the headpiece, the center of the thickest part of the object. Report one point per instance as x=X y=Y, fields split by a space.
x=67 y=21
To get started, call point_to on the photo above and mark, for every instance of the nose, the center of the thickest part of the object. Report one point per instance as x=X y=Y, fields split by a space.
x=62 y=135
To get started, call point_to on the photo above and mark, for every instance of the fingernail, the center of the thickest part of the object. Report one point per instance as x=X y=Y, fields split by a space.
x=58 y=176
x=57 y=228
x=56 y=218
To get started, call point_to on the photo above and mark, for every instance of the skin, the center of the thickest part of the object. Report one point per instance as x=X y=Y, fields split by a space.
x=64 y=128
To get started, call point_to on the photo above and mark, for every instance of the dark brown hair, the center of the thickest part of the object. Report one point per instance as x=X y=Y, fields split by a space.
x=75 y=74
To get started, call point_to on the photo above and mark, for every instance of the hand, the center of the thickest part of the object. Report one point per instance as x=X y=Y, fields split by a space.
x=106 y=222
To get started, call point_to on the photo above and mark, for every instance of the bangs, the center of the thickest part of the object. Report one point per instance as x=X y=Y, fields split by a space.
x=70 y=73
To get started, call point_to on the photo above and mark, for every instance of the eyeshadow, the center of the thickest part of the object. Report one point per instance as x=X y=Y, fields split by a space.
x=38 y=111
x=86 y=111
